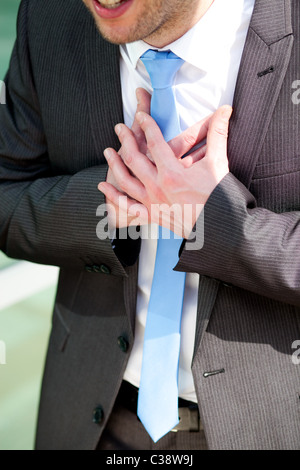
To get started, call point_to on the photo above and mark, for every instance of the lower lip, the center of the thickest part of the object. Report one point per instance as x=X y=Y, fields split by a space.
x=112 y=12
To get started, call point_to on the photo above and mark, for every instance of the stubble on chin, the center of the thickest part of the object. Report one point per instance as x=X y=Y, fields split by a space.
x=148 y=24
x=157 y=22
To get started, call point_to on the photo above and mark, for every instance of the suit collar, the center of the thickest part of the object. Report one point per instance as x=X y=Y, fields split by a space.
x=271 y=21
x=209 y=41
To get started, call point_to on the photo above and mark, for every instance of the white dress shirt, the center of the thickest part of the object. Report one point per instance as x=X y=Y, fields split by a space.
x=212 y=52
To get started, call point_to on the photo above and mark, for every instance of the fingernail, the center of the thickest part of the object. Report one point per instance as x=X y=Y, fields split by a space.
x=107 y=153
x=118 y=129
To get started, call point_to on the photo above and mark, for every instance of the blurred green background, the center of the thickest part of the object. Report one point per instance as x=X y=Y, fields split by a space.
x=26 y=299
x=8 y=14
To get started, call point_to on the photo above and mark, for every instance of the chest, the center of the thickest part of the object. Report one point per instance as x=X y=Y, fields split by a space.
x=263 y=147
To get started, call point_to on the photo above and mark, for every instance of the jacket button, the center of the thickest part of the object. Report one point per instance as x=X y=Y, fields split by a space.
x=123 y=344
x=98 y=415
x=96 y=269
x=104 y=269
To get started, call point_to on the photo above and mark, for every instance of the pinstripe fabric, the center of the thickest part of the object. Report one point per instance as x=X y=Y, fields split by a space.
x=255 y=403
x=254 y=254
x=62 y=205
x=130 y=293
x=272 y=26
x=63 y=101
x=207 y=293
x=252 y=117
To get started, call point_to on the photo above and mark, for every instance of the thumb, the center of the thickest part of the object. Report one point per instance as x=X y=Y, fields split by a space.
x=217 y=134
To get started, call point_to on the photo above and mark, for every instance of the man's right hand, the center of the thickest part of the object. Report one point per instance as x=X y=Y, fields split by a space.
x=118 y=217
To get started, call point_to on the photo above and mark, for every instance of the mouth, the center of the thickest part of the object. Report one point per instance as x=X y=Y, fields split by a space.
x=109 y=9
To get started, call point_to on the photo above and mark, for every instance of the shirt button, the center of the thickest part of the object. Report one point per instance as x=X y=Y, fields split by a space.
x=98 y=415
x=123 y=344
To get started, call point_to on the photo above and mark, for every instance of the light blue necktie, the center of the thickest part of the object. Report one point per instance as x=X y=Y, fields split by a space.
x=158 y=393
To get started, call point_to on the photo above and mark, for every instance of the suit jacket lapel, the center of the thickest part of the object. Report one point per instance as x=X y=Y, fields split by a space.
x=103 y=88
x=264 y=63
x=268 y=45
x=106 y=110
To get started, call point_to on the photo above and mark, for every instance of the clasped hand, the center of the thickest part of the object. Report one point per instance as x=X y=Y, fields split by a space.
x=148 y=181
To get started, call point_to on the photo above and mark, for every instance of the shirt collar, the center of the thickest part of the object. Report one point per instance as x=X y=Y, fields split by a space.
x=210 y=39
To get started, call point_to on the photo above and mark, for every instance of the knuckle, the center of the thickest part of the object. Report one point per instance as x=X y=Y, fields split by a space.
x=189 y=140
x=123 y=186
x=128 y=159
x=125 y=155
x=221 y=130
x=151 y=144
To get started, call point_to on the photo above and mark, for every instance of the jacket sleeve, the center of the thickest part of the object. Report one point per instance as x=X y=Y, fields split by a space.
x=247 y=246
x=44 y=218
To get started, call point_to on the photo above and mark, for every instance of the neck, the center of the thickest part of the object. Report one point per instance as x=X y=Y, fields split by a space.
x=178 y=25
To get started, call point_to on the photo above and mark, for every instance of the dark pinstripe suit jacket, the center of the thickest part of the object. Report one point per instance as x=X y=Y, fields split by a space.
x=63 y=99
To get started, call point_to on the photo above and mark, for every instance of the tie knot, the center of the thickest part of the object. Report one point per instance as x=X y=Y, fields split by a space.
x=161 y=67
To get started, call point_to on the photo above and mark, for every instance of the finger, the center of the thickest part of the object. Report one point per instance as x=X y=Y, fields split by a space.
x=186 y=162
x=159 y=149
x=113 y=195
x=143 y=100
x=126 y=182
x=138 y=211
x=218 y=133
x=111 y=179
x=143 y=104
x=127 y=205
x=136 y=161
x=189 y=138
x=194 y=157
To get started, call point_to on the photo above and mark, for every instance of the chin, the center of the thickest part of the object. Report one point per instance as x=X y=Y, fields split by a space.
x=113 y=35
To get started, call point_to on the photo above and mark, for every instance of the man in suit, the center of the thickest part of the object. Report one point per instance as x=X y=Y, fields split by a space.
x=66 y=88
